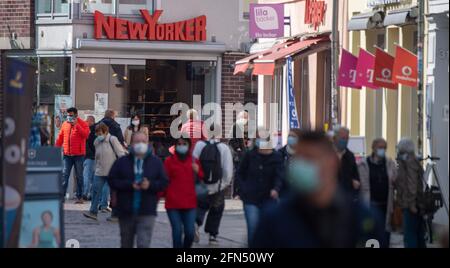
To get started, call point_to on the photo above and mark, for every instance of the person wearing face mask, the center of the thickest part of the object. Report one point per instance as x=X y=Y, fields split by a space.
x=135 y=126
x=107 y=150
x=217 y=163
x=259 y=179
x=288 y=151
x=180 y=196
x=72 y=137
x=318 y=214
x=378 y=174
x=137 y=178
x=348 y=170
x=409 y=186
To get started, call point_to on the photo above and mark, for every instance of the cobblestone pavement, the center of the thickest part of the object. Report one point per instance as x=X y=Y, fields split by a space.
x=103 y=234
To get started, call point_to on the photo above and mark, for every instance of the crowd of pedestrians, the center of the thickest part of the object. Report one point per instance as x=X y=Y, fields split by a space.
x=313 y=192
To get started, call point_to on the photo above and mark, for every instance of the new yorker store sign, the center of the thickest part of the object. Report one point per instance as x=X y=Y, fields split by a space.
x=192 y=30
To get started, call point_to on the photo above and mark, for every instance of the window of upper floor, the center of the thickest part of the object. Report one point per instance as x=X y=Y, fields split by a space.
x=69 y=9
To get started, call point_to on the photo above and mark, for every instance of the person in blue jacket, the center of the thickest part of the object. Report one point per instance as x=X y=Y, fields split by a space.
x=317 y=213
x=137 y=179
x=259 y=179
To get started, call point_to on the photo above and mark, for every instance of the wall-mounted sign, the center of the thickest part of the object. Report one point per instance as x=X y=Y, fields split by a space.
x=192 y=30
x=266 y=20
x=374 y=3
x=315 y=13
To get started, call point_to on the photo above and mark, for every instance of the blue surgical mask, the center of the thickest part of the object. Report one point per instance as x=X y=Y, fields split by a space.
x=263 y=144
x=100 y=138
x=381 y=153
x=342 y=144
x=182 y=149
x=70 y=118
x=292 y=140
x=303 y=176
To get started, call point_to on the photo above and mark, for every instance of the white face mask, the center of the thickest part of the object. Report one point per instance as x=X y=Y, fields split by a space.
x=135 y=123
x=140 y=148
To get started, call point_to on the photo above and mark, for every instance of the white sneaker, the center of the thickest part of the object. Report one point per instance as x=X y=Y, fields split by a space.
x=197 y=234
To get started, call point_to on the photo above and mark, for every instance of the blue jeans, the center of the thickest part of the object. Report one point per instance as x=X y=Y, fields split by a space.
x=182 y=219
x=413 y=230
x=88 y=176
x=252 y=213
x=69 y=162
x=100 y=194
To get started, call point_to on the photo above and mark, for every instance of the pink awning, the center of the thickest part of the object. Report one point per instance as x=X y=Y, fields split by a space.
x=241 y=68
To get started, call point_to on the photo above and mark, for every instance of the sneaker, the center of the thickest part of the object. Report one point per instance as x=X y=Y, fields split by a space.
x=79 y=201
x=112 y=219
x=105 y=210
x=197 y=234
x=90 y=215
x=213 y=240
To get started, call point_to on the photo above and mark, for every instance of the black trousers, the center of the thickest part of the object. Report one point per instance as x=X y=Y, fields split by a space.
x=214 y=205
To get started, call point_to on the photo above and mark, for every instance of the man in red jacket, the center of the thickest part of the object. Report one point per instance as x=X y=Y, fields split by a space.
x=72 y=137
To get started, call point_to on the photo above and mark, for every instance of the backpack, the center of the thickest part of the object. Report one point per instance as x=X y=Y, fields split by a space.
x=211 y=163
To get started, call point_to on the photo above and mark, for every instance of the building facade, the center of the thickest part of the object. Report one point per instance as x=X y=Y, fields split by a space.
x=436 y=100
x=108 y=54
x=387 y=113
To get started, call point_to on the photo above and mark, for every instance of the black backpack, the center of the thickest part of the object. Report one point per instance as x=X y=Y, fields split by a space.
x=211 y=163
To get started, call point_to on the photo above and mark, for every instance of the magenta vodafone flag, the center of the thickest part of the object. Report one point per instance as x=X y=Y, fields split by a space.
x=347 y=70
x=364 y=69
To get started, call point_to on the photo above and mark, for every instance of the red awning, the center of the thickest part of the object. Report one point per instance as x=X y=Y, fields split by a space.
x=241 y=68
x=265 y=65
x=243 y=64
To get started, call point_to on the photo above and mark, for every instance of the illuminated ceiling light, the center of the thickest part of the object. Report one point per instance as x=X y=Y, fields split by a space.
x=93 y=70
x=148 y=79
x=125 y=78
x=82 y=70
x=114 y=75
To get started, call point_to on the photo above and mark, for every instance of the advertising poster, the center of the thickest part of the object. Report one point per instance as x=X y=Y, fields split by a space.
x=124 y=122
x=19 y=85
x=40 y=224
x=62 y=103
x=293 y=118
x=101 y=103
x=266 y=20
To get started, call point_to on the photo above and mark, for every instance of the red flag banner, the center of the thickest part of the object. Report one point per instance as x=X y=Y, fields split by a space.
x=364 y=69
x=405 y=67
x=384 y=64
x=347 y=70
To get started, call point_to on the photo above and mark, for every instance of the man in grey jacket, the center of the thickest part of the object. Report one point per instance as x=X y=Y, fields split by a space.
x=215 y=201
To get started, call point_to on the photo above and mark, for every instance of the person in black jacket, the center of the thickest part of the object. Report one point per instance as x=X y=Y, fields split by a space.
x=287 y=152
x=259 y=179
x=348 y=172
x=137 y=178
x=89 y=161
x=114 y=127
x=317 y=213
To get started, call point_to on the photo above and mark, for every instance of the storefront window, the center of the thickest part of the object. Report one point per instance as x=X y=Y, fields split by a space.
x=44 y=6
x=54 y=78
x=104 y=6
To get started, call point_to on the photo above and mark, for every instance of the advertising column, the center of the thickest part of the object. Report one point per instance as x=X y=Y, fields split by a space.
x=19 y=84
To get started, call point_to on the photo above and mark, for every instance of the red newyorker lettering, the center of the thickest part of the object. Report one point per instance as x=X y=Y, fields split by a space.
x=200 y=28
x=179 y=35
x=169 y=31
x=137 y=30
x=100 y=24
x=160 y=32
x=120 y=28
x=190 y=30
x=115 y=28
x=151 y=21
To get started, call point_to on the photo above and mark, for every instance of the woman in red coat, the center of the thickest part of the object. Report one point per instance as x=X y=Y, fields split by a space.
x=181 y=199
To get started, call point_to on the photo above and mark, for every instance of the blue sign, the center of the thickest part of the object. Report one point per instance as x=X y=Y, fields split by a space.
x=292 y=107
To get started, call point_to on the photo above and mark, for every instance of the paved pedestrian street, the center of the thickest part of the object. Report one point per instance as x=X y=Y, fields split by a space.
x=104 y=234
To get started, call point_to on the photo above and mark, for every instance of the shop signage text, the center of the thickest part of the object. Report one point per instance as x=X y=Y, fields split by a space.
x=315 y=13
x=192 y=30
x=266 y=20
